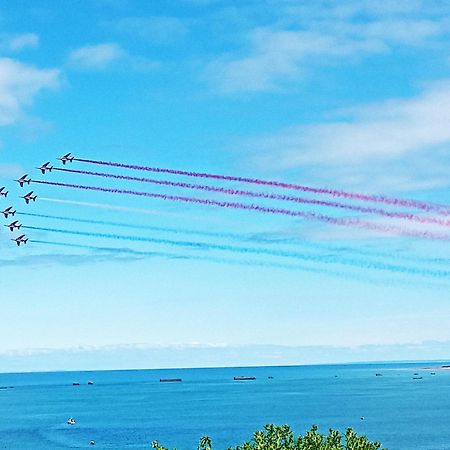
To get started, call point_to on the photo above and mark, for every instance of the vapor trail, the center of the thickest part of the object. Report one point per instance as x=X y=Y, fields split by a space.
x=266 y=195
x=252 y=207
x=257 y=251
x=409 y=203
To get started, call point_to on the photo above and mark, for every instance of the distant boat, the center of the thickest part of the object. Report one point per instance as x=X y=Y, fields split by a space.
x=92 y=442
x=378 y=374
x=433 y=373
x=90 y=383
x=170 y=380
x=243 y=378
x=417 y=378
x=71 y=421
x=270 y=378
x=75 y=384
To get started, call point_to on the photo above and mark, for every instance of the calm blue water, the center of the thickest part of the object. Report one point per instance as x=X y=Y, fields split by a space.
x=129 y=409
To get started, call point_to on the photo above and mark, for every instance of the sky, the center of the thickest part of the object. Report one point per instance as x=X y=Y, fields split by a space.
x=348 y=96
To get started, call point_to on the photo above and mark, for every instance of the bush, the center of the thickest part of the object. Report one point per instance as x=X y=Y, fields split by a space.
x=275 y=437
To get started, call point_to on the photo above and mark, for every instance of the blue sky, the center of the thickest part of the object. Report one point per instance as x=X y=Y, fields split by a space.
x=351 y=95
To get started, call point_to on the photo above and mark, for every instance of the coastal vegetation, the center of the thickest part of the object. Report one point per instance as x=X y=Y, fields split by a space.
x=281 y=437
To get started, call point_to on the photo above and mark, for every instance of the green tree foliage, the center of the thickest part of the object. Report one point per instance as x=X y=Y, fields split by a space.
x=276 y=437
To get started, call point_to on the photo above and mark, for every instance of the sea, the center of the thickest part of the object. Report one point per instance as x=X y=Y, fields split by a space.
x=403 y=406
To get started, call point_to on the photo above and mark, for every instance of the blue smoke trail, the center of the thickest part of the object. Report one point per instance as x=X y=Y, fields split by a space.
x=331 y=259
x=191 y=257
x=244 y=238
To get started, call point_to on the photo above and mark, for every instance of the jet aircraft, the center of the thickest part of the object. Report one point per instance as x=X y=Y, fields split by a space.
x=13 y=225
x=29 y=197
x=66 y=158
x=8 y=211
x=20 y=240
x=45 y=167
x=3 y=192
x=22 y=180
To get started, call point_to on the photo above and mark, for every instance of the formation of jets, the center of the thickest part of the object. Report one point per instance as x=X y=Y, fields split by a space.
x=29 y=197
x=25 y=179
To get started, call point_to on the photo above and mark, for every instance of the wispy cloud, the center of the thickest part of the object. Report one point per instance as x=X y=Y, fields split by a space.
x=155 y=356
x=96 y=56
x=17 y=42
x=302 y=37
x=19 y=85
x=106 y=55
x=399 y=144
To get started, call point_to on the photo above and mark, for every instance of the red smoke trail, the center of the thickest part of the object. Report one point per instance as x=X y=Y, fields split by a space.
x=424 y=206
x=251 y=207
x=280 y=197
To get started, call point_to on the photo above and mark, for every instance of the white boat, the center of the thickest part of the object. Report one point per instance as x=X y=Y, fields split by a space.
x=71 y=421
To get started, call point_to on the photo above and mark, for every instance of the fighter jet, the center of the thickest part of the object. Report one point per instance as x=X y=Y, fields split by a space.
x=45 y=167
x=3 y=192
x=66 y=158
x=13 y=225
x=29 y=197
x=20 y=240
x=8 y=211
x=22 y=180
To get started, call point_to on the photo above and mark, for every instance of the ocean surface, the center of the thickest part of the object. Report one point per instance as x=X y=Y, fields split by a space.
x=130 y=409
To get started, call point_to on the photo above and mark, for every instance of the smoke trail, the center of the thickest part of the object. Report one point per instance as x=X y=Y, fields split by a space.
x=265 y=195
x=193 y=257
x=150 y=212
x=425 y=206
x=252 y=207
x=242 y=238
x=255 y=250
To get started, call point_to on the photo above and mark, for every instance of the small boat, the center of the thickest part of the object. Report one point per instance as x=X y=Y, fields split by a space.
x=417 y=378
x=71 y=421
x=378 y=374
x=243 y=378
x=92 y=442
x=270 y=377
x=75 y=384
x=90 y=383
x=170 y=380
x=433 y=373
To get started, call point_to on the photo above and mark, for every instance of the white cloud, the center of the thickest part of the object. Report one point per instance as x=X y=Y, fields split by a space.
x=17 y=42
x=400 y=144
x=19 y=84
x=102 y=56
x=96 y=56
